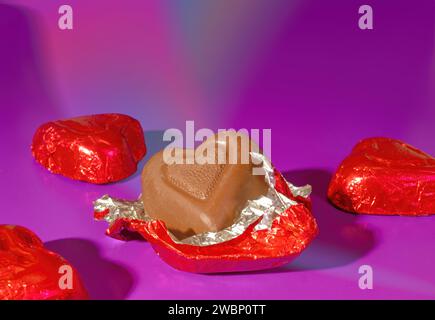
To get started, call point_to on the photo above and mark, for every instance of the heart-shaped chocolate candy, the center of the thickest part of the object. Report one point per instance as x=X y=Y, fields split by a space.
x=28 y=271
x=198 y=196
x=100 y=148
x=385 y=176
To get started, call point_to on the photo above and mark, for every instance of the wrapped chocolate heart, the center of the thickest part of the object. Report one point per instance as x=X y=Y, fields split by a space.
x=29 y=271
x=385 y=176
x=221 y=207
x=101 y=148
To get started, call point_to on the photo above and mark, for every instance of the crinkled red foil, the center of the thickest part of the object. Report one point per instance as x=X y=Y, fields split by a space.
x=28 y=271
x=385 y=176
x=99 y=148
x=288 y=236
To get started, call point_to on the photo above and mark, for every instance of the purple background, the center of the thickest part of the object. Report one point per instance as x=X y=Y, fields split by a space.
x=302 y=68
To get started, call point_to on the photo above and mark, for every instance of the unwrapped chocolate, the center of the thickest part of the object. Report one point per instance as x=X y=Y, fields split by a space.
x=385 y=176
x=193 y=198
x=28 y=271
x=265 y=225
x=100 y=148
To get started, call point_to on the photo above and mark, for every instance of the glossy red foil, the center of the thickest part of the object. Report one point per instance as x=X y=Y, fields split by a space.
x=385 y=176
x=290 y=233
x=99 y=148
x=28 y=271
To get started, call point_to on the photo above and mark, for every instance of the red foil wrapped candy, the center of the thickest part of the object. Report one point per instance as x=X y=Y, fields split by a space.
x=100 y=148
x=269 y=233
x=385 y=176
x=28 y=271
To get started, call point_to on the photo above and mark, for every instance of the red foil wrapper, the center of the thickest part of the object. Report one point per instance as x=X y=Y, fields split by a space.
x=99 y=148
x=288 y=234
x=28 y=271
x=385 y=176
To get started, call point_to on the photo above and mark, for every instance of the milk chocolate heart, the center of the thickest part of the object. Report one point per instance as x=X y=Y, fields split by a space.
x=28 y=271
x=99 y=148
x=195 y=196
x=385 y=176
x=272 y=232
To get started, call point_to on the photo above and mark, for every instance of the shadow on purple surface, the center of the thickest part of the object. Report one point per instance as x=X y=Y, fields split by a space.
x=154 y=143
x=28 y=94
x=341 y=240
x=104 y=279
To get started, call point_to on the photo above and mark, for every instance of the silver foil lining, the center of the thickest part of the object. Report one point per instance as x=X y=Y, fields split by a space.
x=267 y=207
